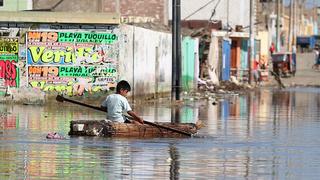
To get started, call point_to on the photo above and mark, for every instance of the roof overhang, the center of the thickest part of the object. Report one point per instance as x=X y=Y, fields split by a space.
x=230 y=34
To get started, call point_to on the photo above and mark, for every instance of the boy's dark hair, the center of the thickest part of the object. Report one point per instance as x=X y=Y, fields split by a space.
x=123 y=85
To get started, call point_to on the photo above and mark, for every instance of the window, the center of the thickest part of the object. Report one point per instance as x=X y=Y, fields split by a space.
x=1 y=2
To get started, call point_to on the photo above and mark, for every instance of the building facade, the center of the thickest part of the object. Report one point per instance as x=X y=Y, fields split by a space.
x=230 y=13
x=53 y=53
x=138 y=11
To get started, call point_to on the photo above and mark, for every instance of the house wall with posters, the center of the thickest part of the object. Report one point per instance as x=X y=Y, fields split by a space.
x=74 y=58
x=9 y=73
x=71 y=62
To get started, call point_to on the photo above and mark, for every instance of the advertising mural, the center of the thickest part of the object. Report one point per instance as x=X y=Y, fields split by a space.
x=72 y=62
x=9 y=73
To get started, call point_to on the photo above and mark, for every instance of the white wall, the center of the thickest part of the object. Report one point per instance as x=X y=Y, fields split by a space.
x=137 y=60
x=126 y=53
x=236 y=12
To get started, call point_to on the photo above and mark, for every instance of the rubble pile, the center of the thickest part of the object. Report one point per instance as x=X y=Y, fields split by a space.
x=231 y=86
x=216 y=92
x=224 y=87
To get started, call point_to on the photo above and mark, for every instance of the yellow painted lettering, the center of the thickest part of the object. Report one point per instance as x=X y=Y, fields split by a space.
x=49 y=88
x=94 y=56
x=97 y=89
x=57 y=56
x=36 y=53
x=73 y=57
x=80 y=52
x=68 y=55
x=87 y=52
x=47 y=56
x=36 y=84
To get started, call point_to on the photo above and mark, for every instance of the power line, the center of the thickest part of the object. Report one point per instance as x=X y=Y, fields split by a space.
x=214 y=10
x=213 y=13
x=198 y=9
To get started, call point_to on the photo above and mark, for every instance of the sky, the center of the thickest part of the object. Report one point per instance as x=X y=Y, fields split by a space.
x=310 y=3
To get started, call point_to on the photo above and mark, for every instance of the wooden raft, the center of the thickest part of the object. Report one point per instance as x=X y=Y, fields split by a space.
x=113 y=129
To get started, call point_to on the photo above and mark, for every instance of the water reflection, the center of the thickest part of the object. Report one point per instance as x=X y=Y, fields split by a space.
x=174 y=162
x=264 y=135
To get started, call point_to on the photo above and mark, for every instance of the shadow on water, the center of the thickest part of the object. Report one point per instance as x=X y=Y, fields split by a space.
x=268 y=134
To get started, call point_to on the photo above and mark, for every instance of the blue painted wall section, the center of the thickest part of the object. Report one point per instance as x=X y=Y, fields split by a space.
x=226 y=49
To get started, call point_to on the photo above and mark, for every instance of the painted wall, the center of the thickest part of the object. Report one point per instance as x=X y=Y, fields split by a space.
x=235 y=53
x=226 y=50
x=126 y=54
x=315 y=28
x=71 y=62
x=244 y=59
x=189 y=61
x=9 y=73
x=74 y=61
x=146 y=60
x=214 y=59
x=263 y=36
x=233 y=12
x=16 y=5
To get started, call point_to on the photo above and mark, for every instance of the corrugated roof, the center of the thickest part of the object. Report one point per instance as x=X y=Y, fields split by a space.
x=60 y=17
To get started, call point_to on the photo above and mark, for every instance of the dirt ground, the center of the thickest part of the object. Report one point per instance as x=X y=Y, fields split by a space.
x=305 y=75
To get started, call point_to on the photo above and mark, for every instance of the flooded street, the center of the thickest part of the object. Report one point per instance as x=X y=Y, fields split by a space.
x=268 y=134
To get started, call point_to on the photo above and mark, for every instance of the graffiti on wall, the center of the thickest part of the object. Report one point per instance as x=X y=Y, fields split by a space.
x=72 y=62
x=9 y=73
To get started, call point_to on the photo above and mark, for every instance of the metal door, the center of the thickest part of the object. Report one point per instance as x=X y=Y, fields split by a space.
x=226 y=47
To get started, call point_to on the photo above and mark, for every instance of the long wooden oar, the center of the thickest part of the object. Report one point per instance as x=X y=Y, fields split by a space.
x=62 y=99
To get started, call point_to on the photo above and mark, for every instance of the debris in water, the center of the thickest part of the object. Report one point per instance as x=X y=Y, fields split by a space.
x=54 y=135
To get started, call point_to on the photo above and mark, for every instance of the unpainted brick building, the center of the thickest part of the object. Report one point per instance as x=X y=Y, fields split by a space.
x=134 y=11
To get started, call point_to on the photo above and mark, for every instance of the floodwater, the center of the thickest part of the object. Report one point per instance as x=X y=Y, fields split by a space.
x=269 y=134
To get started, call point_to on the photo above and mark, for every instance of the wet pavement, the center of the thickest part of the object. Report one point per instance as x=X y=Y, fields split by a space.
x=267 y=134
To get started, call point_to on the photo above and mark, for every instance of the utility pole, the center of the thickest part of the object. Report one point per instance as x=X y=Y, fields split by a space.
x=294 y=36
x=289 y=48
x=176 y=58
x=315 y=16
x=251 y=39
x=176 y=49
x=178 y=41
x=278 y=26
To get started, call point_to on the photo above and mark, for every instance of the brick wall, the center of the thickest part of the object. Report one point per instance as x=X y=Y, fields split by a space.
x=157 y=10
x=110 y=6
x=144 y=8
